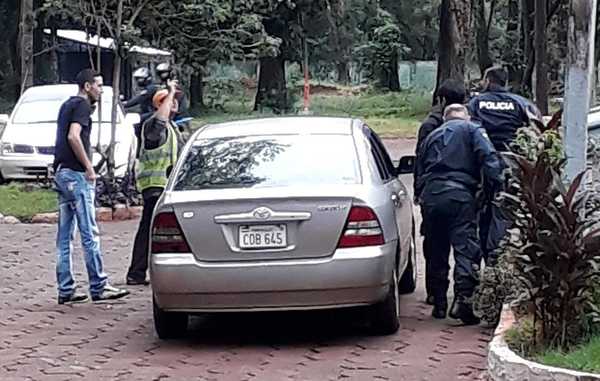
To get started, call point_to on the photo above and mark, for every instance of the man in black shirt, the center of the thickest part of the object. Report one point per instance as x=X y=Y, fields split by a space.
x=75 y=183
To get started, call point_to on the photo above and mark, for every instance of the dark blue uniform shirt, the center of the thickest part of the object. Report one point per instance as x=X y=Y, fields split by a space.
x=501 y=114
x=453 y=158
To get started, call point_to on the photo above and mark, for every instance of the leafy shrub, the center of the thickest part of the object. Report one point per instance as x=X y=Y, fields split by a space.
x=552 y=251
x=554 y=247
x=498 y=286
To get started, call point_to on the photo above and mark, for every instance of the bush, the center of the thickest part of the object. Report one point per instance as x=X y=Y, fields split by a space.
x=550 y=260
x=553 y=247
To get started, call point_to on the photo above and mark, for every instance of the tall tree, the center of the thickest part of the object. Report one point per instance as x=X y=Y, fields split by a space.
x=118 y=19
x=9 y=60
x=483 y=22
x=541 y=69
x=454 y=38
x=380 y=51
x=198 y=32
x=26 y=28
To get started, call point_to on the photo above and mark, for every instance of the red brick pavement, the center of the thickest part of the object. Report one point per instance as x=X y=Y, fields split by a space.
x=40 y=340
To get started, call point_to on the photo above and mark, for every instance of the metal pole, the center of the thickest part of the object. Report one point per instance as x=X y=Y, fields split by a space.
x=579 y=82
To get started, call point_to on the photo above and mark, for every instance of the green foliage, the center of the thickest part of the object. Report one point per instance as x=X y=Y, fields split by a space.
x=380 y=53
x=553 y=247
x=202 y=31
x=521 y=337
x=24 y=202
x=531 y=142
x=498 y=286
x=405 y=104
x=585 y=358
x=371 y=108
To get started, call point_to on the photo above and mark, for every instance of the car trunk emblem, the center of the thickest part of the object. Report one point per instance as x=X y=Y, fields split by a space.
x=262 y=213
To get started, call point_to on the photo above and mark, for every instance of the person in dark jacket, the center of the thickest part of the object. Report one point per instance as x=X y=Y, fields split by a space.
x=453 y=157
x=143 y=100
x=450 y=92
x=501 y=114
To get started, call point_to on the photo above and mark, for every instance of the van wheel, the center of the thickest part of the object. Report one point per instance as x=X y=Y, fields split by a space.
x=169 y=325
x=408 y=282
x=385 y=315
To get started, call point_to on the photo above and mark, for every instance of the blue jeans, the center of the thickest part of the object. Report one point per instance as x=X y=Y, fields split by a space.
x=76 y=203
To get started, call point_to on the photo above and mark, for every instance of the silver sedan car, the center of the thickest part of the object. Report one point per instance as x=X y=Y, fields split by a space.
x=295 y=213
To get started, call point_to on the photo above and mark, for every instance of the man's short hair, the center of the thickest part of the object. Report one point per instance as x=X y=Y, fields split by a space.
x=86 y=76
x=453 y=91
x=456 y=111
x=496 y=75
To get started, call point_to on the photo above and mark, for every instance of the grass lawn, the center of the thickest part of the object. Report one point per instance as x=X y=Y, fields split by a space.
x=391 y=115
x=25 y=202
x=585 y=358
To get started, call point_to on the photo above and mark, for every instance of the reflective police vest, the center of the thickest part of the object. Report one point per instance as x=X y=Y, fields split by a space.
x=153 y=164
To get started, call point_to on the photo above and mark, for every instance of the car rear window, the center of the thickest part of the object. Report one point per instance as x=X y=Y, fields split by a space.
x=269 y=161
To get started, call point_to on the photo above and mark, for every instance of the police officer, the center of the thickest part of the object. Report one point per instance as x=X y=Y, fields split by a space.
x=449 y=173
x=450 y=91
x=501 y=114
x=159 y=150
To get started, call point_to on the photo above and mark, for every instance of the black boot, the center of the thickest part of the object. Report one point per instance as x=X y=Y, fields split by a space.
x=464 y=312
x=439 y=309
x=430 y=300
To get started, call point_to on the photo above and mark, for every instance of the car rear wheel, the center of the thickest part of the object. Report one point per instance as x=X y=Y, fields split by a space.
x=169 y=325
x=385 y=315
x=408 y=282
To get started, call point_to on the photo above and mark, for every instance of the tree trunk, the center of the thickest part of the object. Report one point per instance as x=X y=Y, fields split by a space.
x=453 y=38
x=271 y=91
x=390 y=78
x=483 y=41
x=343 y=72
x=26 y=44
x=541 y=70
x=196 y=91
x=527 y=9
x=512 y=29
x=580 y=61
x=115 y=101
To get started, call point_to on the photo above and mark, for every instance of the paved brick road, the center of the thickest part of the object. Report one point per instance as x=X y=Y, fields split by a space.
x=40 y=340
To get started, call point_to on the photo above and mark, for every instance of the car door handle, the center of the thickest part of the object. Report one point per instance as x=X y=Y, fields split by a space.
x=396 y=199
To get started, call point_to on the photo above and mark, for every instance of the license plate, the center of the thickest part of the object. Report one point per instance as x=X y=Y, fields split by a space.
x=262 y=236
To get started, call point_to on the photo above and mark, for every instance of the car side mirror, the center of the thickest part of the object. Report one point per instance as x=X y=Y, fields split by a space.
x=132 y=118
x=406 y=165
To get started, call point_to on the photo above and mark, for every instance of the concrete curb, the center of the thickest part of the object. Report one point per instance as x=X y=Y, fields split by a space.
x=120 y=213
x=506 y=365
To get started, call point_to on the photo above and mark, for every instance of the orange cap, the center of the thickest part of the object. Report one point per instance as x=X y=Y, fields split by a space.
x=159 y=97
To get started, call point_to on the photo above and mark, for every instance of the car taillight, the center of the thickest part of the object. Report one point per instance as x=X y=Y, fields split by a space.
x=362 y=229
x=167 y=236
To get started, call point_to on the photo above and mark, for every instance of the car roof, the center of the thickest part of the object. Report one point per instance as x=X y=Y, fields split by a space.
x=594 y=119
x=307 y=125
x=56 y=92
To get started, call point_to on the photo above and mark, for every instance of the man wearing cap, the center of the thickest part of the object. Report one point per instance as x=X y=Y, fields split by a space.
x=158 y=152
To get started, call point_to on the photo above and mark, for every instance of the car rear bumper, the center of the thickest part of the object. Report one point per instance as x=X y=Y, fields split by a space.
x=351 y=277
x=25 y=167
